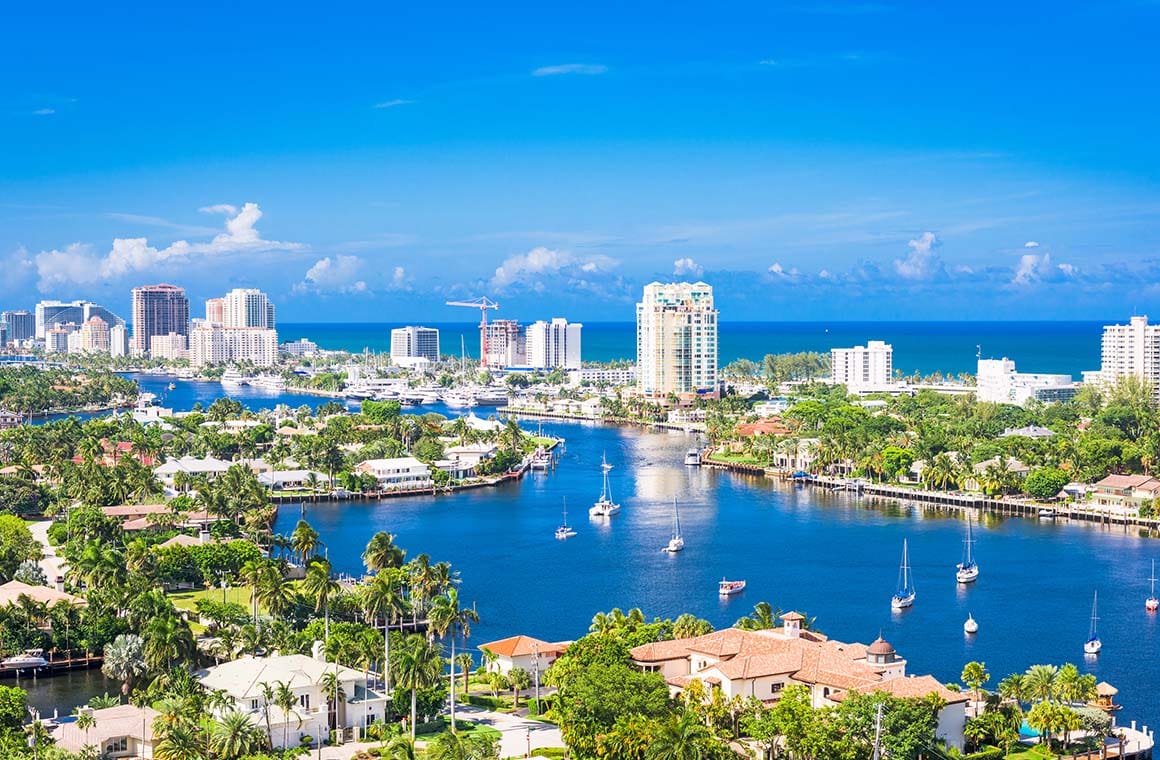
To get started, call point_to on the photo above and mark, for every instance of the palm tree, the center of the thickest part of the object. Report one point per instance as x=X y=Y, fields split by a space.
x=319 y=586
x=1041 y=682
x=85 y=721
x=448 y=746
x=124 y=660
x=167 y=640
x=235 y=736
x=304 y=541
x=762 y=618
x=974 y=675
x=400 y=748
x=285 y=700
x=682 y=737
x=448 y=618
x=383 y=596
x=464 y=661
x=1012 y=688
x=419 y=664
x=519 y=679
x=332 y=688
x=382 y=553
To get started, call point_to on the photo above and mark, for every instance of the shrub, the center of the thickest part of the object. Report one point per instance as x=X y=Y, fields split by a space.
x=988 y=753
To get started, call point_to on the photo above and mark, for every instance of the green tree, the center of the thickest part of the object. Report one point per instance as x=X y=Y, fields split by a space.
x=235 y=736
x=1045 y=483
x=418 y=665
x=592 y=701
x=974 y=675
x=124 y=660
x=16 y=545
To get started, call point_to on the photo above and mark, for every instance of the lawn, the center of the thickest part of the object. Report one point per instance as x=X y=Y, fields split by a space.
x=186 y=600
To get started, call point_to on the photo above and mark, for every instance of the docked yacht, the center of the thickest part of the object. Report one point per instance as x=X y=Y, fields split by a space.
x=30 y=659
x=233 y=378
x=693 y=457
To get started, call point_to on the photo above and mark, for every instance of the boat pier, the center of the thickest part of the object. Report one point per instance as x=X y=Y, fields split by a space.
x=58 y=662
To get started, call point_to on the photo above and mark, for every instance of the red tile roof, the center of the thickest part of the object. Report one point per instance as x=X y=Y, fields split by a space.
x=521 y=646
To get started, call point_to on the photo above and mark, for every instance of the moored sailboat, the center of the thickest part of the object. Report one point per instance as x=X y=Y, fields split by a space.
x=968 y=570
x=1152 y=603
x=1093 y=645
x=677 y=542
x=604 y=506
x=904 y=596
x=565 y=530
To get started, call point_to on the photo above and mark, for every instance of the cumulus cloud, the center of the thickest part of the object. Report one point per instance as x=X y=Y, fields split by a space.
x=686 y=266
x=589 y=69
x=80 y=264
x=393 y=103
x=529 y=269
x=399 y=278
x=337 y=274
x=780 y=272
x=219 y=208
x=922 y=263
x=1035 y=268
x=1031 y=244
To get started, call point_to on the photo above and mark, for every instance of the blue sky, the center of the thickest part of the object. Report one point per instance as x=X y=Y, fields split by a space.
x=812 y=160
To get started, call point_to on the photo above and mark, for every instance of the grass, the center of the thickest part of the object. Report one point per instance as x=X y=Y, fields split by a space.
x=187 y=600
x=735 y=458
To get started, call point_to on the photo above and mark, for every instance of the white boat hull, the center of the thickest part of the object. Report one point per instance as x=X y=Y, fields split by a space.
x=902 y=602
x=603 y=510
x=675 y=545
x=970 y=626
x=1093 y=647
x=1152 y=604
x=967 y=574
x=730 y=588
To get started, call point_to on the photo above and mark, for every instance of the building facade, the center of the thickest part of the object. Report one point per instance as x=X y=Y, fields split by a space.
x=56 y=340
x=415 y=343
x=676 y=340
x=300 y=347
x=506 y=344
x=21 y=325
x=215 y=311
x=214 y=344
x=51 y=314
x=118 y=340
x=871 y=365
x=246 y=307
x=552 y=345
x=94 y=336
x=1131 y=350
x=158 y=310
x=997 y=382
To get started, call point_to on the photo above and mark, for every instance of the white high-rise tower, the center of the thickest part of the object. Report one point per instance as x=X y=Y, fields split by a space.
x=676 y=340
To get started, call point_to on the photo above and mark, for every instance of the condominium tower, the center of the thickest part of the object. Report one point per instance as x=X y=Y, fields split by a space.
x=676 y=340
x=21 y=325
x=158 y=310
x=553 y=345
x=414 y=343
x=1131 y=350
x=506 y=344
x=246 y=307
x=868 y=366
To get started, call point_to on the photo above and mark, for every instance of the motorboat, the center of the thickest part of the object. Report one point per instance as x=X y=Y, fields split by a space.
x=693 y=457
x=233 y=378
x=1047 y=514
x=604 y=506
x=904 y=596
x=541 y=460
x=30 y=659
x=968 y=570
x=971 y=626
x=677 y=542
x=729 y=588
x=1093 y=645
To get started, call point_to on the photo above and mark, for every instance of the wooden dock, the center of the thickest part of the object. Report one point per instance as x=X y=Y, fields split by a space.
x=57 y=664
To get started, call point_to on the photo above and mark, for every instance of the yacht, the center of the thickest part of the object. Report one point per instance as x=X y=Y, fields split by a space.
x=693 y=457
x=971 y=626
x=968 y=569
x=604 y=506
x=565 y=531
x=458 y=399
x=904 y=596
x=1093 y=645
x=729 y=588
x=269 y=383
x=30 y=659
x=541 y=460
x=234 y=378
x=491 y=396
x=677 y=542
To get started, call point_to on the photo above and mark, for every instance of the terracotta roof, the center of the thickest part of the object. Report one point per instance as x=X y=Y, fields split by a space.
x=11 y=591
x=1105 y=689
x=764 y=427
x=880 y=646
x=914 y=687
x=522 y=646
x=1125 y=481
x=791 y=615
x=134 y=510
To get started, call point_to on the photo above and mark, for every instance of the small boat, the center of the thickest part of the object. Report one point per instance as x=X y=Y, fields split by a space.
x=31 y=659
x=172 y=386
x=1047 y=514
x=968 y=569
x=693 y=457
x=604 y=506
x=904 y=597
x=1093 y=645
x=565 y=530
x=541 y=460
x=677 y=542
x=970 y=626
x=729 y=588
x=1152 y=603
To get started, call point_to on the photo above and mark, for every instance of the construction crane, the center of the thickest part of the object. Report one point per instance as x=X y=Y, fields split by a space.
x=483 y=304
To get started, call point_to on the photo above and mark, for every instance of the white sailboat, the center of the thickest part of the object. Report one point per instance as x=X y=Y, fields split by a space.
x=1093 y=645
x=604 y=506
x=971 y=626
x=565 y=530
x=904 y=597
x=677 y=542
x=968 y=569
x=1152 y=603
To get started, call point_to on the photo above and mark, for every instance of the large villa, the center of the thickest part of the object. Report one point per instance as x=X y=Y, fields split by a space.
x=762 y=663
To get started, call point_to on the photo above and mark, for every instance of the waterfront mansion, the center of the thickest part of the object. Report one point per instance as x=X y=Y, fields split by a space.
x=762 y=663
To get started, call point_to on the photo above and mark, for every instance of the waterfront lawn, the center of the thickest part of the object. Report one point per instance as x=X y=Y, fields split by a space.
x=730 y=458
x=187 y=601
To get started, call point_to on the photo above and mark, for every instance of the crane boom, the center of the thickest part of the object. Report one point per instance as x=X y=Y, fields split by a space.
x=482 y=303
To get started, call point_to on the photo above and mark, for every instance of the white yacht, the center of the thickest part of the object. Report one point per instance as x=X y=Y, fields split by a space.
x=971 y=626
x=729 y=588
x=30 y=659
x=233 y=378
x=565 y=531
x=693 y=457
x=677 y=542
x=604 y=506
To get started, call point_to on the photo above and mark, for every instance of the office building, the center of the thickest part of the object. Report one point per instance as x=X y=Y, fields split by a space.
x=214 y=344
x=245 y=307
x=300 y=347
x=170 y=346
x=94 y=336
x=998 y=382
x=414 y=342
x=551 y=345
x=676 y=340
x=869 y=366
x=506 y=346
x=51 y=314
x=118 y=341
x=21 y=325
x=158 y=310
x=215 y=311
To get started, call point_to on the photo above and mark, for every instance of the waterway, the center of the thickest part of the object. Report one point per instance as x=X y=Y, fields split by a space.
x=834 y=556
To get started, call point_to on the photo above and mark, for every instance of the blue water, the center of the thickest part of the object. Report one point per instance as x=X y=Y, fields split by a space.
x=948 y=347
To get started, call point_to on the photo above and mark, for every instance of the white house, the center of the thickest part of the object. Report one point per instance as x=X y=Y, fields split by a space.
x=520 y=652
x=211 y=467
x=397 y=473
x=281 y=480
x=760 y=664
x=121 y=731
x=471 y=454
x=244 y=681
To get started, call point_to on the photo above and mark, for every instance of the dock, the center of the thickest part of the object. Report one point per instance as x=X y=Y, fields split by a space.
x=58 y=662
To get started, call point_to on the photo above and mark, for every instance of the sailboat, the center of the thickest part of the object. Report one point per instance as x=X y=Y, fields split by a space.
x=1093 y=645
x=1152 y=603
x=968 y=570
x=604 y=506
x=676 y=543
x=971 y=626
x=904 y=597
x=565 y=530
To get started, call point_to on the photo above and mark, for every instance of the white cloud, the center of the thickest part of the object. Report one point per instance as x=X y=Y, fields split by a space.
x=80 y=264
x=589 y=69
x=393 y=103
x=44 y=112
x=219 y=208
x=922 y=262
x=1031 y=244
x=338 y=274
x=686 y=266
x=399 y=278
x=1035 y=268
x=527 y=269
x=777 y=270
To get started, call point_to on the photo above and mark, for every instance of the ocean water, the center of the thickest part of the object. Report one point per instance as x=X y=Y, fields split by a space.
x=926 y=347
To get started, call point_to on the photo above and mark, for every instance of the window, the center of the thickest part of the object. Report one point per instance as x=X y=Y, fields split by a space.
x=253 y=704
x=775 y=688
x=304 y=701
x=117 y=745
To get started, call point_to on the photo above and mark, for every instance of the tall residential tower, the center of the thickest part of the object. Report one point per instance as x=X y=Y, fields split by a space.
x=676 y=340
x=158 y=310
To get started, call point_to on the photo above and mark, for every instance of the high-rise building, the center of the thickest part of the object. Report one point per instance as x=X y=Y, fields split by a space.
x=170 y=346
x=505 y=344
x=998 y=382
x=118 y=340
x=245 y=307
x=869 y=366
x=1131 y=350
x=214 y=344
x=56 y=340
x=21 y=325
x=553 y=344
x=415 y=343
x=59 y=313
x=94 y=336
x=158 y=310
x=676 y=340
x=215 y=311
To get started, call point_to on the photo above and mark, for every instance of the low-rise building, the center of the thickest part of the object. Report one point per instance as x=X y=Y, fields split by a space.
x=997 y=381
x=116 y=732
x=211 y=467
x=1012 y=466
x=10 y=419
x=520 y=652
x=1126 y=491
x=397 y=473
x=282 y=480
